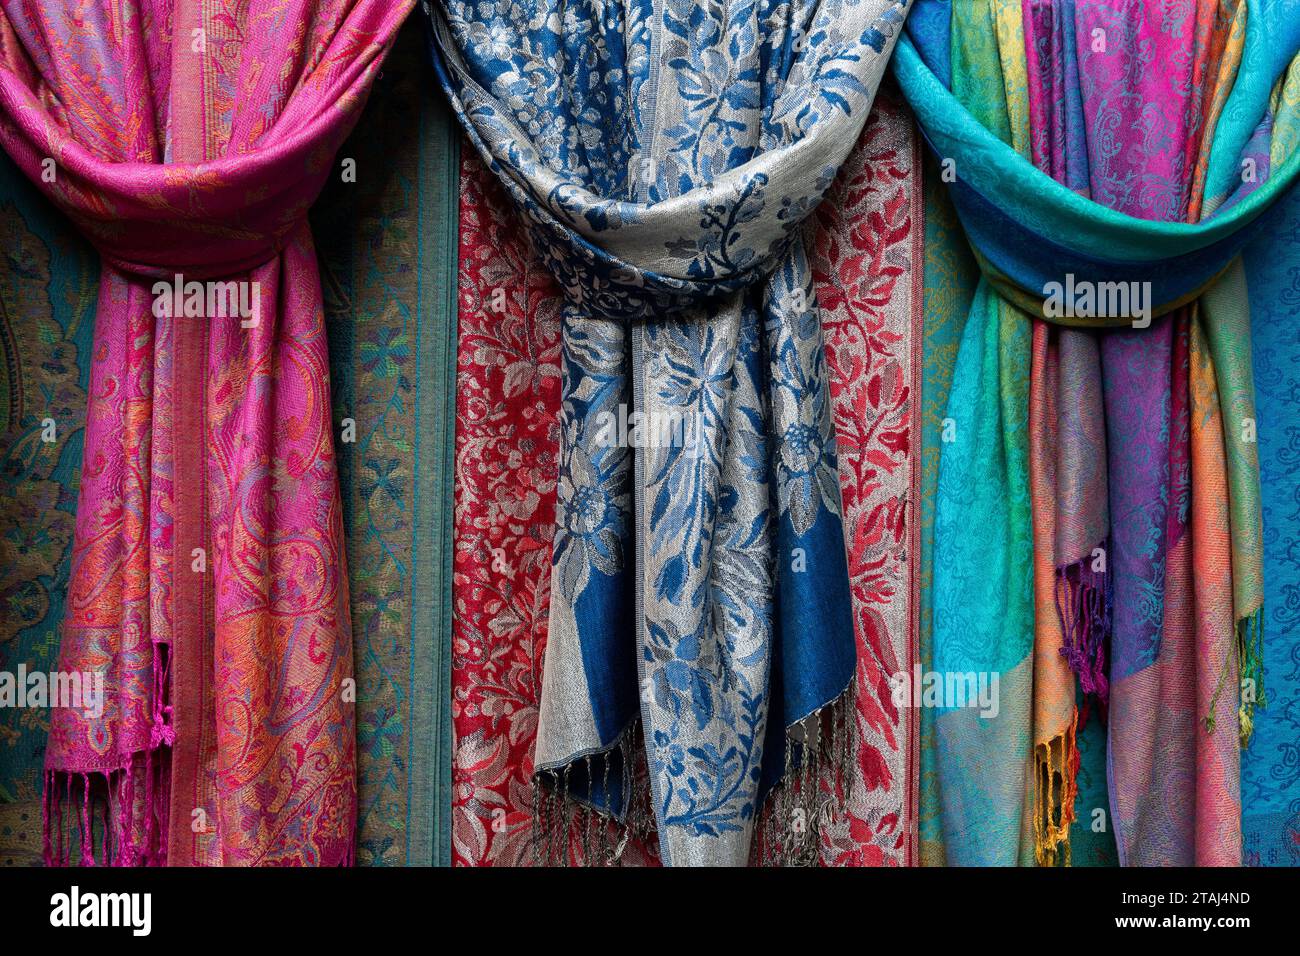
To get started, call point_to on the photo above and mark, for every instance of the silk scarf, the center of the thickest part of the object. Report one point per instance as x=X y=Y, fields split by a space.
x=208 y=587
x=699 y=601
x=1270 y=766
x=386 y=245
x=863 y=243
x=47 y=310
x=1182 y=588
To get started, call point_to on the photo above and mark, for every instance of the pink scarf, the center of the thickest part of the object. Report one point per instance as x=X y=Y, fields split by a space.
x=208 y=588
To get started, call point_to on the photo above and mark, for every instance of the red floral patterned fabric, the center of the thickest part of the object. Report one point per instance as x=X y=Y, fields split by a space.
x=864 y=247
x=864 y=244
x=507 y=440
x=507 y=434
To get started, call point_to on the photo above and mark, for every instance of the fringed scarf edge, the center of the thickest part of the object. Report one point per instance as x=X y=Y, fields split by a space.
x=816 y=783
x=1056 y=774
x=134 y=831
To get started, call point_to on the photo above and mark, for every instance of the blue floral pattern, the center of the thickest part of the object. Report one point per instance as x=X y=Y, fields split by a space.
x=663 y=154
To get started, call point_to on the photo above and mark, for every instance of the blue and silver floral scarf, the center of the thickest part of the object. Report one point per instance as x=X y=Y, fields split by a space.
x=662 y=155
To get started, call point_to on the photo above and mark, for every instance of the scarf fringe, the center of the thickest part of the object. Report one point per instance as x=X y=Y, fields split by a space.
x=134 y=830
x=817 y=780
x=1084 y=601
x=105 y=819
x=570 y=829
x=1250 y=654
x=1056 y=774
x=1250 y=662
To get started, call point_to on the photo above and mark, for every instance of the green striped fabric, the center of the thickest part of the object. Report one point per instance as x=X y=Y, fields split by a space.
x=387 y=248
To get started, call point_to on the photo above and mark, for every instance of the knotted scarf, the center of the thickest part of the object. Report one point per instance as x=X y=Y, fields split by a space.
x=1120 y=466
x=864 y=252
x=662 y=158
x=208 y=586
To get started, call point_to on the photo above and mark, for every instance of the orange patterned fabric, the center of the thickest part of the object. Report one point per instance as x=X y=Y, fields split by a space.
x=208 y=590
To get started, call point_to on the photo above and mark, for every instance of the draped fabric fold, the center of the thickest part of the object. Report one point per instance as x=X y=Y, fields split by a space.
x=864 y=252
x=209 y=585
x=663 y=157
x=1099 y=191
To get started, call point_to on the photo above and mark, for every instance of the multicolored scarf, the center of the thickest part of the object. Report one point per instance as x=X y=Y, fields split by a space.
x=208 y=587
x=698 y=504
x=1068 y=156
x=702 y=582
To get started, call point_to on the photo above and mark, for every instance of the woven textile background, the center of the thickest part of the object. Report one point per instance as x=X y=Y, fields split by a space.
x=387 y=249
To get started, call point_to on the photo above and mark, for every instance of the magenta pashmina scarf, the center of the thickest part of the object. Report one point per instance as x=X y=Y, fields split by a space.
x=187 y=139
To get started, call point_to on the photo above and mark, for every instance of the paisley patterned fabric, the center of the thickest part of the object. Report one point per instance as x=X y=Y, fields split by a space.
x=386 y=244
x=1088 y=92
x=1270 y=765
x=673 y=197
x=1174 y=583
x=208 y=585
x=47 y=303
